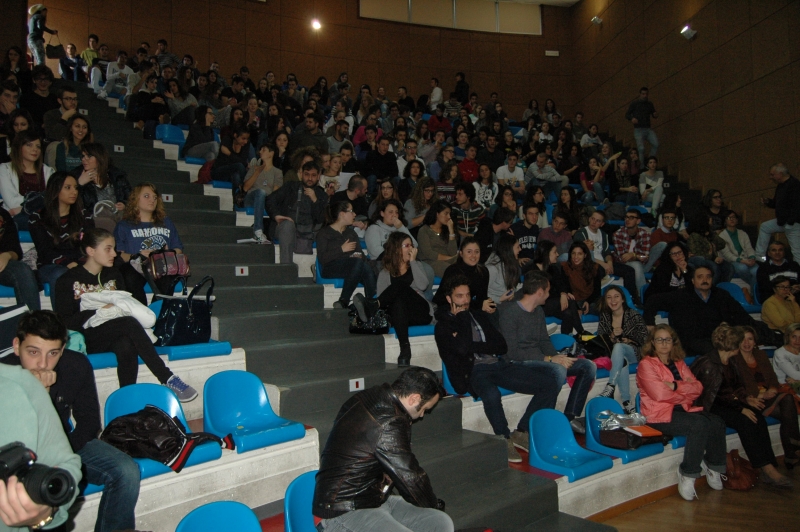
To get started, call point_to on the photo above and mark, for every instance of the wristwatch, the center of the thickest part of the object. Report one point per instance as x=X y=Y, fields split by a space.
x=46 y=521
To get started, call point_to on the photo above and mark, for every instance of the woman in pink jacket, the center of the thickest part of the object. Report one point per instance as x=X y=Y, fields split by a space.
x=668 y=390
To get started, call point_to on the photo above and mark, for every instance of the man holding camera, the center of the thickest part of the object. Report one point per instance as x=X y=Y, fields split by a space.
x=67 y=376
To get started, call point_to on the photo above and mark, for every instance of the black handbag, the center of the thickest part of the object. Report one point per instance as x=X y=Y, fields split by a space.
x=377 y=324
x=183 y=319
x=622 y=439
x=599 y=346
x=54 y=51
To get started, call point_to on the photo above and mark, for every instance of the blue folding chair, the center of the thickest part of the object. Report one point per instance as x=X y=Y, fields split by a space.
x=553 y=448
x=561 y=341
x=220 y=515
x=235 y=402
x=600 y=404
x=736 y=292
x=131 y=399
x=297 y=504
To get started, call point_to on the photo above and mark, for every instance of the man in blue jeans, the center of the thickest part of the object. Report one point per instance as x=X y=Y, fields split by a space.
x=522 y=323
x=640 y=111
x=69 y=379
x=474 y=353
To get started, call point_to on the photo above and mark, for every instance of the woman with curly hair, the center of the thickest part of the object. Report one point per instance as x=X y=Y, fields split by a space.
x=144 y=228
x=449 y=177
x=422 y=197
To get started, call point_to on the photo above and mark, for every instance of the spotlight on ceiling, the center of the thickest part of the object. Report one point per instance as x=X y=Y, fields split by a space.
x=597 y=21
x=315 y=24
x=688 y=32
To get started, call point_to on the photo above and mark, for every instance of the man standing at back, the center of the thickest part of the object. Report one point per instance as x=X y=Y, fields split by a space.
x=369 y=452
x=639 y=113
x=786 y=203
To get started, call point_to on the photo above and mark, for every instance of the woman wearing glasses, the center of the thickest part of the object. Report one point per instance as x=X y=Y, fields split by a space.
x=668 y=390
x=781 y=309
x=715 y=208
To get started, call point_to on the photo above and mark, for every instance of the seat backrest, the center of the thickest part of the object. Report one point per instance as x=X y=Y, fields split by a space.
x=735 y=291
x=562 y=341
x=231 y=396
x=131 y=399
x=550 y=432
x=448 y=386
x=161 y=131
x=594 y=407
x=297 y=504
x=220 y=515
x=639 y=402
x=628 y=298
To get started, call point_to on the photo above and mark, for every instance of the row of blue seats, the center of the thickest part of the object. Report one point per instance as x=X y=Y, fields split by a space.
x=234 y=402
x=171 y=134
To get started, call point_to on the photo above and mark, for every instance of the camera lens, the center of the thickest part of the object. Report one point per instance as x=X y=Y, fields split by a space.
x=48 y=485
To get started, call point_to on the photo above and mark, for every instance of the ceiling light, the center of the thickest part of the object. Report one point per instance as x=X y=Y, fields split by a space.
x=688 y=32
x=315 y=24
x=597 y=21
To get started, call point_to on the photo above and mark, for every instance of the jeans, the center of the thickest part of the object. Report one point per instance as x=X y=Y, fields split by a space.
x=21 y=278
x=353 y=271
x=395 y=515
x=754 y=436
x=642 y=133
x=49 y=273
x=37 y=51
x=640 y=269
x=746 y=273
x=109 y=467
x=596 y=193
x=486 y=378
x=256 y=198
x=769 y=227
x=705 y=439
x=232 y=173
x=620 y=375
x=584 y=372
x=552 y=186
x=206 y=150
x=723 y=272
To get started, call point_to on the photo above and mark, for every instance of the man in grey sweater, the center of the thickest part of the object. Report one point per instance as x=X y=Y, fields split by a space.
x=523 y=326
x=543 y=175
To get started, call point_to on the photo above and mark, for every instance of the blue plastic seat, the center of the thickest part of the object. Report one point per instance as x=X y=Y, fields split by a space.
x=736 y=292
x=131 y=399
x=562 y=341
x=594 y=407
x=195 y=160
x=553 y=448
x=7 y=291
x=417 y=330
x=549 y=320
x=319 y=279
x=222 y=184
x=235 y=402
x=297 y=504
x=25 y=237
x=448 y=387
x=220 y=515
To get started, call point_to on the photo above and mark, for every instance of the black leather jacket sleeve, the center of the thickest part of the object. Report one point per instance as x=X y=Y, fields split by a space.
x=393 y=451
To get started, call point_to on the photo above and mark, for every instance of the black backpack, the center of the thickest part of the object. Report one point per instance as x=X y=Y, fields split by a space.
x=151 y=433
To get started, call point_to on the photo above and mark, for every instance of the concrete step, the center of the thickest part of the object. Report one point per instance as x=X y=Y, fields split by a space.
x=252 y=328
x=241 y=299
x=199 y=216
x=170 y=187
x=258 y=274
x=190 y=201
x=204 y=234
x=563 y=522
x=239 y=254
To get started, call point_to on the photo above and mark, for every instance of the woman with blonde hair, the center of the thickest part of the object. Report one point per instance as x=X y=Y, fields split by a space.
x=724 y=395
x=668 y=390
x=144 y=228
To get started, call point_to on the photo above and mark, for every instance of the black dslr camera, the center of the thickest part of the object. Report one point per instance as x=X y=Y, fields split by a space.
x=45 y=485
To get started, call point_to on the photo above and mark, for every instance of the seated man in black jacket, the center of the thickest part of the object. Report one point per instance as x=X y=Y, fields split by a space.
x=369 y=452
x=472 y=351
x=69 y=379
x=697 y=310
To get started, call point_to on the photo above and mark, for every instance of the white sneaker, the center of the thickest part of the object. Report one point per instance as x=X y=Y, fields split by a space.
x=553 y=328
x=713 y=478
x=259 y=237
x=686 y=486
x=607 y=280
x=102 y=95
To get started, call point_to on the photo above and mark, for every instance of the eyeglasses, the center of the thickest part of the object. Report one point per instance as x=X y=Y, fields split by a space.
x=676 y=253
x=782 y=287
x=669 y=217
x=667 y=340
x=69 y=99
x=716 y=197
x=631 y=217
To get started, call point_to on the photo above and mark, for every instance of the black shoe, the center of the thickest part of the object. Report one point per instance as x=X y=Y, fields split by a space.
x=404 y=360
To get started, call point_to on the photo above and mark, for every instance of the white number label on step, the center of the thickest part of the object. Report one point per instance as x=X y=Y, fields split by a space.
x=119 y=149
x=356 y=385
x=83 y=111
x=242 y=271
x=166 y=198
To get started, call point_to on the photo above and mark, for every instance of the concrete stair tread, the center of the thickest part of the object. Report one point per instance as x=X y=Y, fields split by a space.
x=563 y=522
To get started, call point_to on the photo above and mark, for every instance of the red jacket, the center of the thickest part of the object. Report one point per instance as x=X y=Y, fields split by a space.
x=469 y=170
x=439 y=124
x=658 y=400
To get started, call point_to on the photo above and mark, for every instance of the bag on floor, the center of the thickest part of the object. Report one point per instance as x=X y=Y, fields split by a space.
x=740 y=474
x=183 y=319
x=378 y=324
x=151 y=433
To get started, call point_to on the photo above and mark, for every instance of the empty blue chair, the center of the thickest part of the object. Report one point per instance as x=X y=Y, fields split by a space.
x=736 y=292
x=161 y=131
x=562 y=341
x=297 y=504
x=235 y=402
x=131 y=399
x=195 y=160
x=553 y=448
x=220 y=515
x=25 y=237
x=171 y=134
x=594 y=407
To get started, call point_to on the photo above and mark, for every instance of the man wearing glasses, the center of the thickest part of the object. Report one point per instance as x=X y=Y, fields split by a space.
x=666 y=230
x=55 y=120
x=632 y=247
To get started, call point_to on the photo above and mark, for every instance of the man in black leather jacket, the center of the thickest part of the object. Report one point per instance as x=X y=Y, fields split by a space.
x=369 y=451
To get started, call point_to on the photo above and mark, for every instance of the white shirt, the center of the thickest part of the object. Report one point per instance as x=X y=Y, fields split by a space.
x=436 y=97
x=597 y=238
x=507 y=177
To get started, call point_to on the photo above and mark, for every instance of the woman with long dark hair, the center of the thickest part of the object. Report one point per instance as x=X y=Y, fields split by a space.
x=401 y=287
x=15 y=62
x=672 y=272
x=568 y=206
x=340 y=255
x=25 y=174
x=321 y=87
x=422 y=197
x=715 y=209
x=69 y=150
x=449 y=177
x=99 y=180
x=535 y=195
x=583 y=275
x=386 y=191
x=56 y=230
x=18 y=120
x=180 y=103
x=201 y=142
x=561 y=303
x=469 y=264
x=504 y=269
x=437 y=238
x=486 y=187
x=282 y=159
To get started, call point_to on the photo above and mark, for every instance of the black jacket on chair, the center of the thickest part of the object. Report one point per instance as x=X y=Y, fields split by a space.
x=368 y=452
